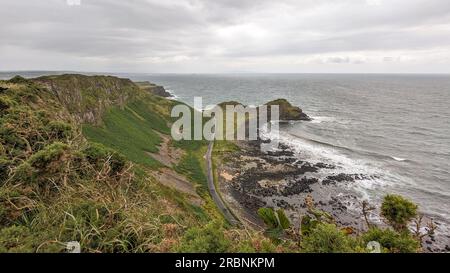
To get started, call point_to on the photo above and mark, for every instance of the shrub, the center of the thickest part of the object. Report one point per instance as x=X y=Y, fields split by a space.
x=97 y=155
x=15 y=239
x=208 y=239
x=398 y=211
x=308 y=224
x=327 y=238
x=392 y=241
x=283 y=220
x=18 y=79
x=268 y=216
x=24 y=172
x=5 y=104
x=59 y=130
x=274 y=220
x=50 y=159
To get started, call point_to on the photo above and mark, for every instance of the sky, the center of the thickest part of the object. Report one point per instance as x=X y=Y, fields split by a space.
x=226 y=36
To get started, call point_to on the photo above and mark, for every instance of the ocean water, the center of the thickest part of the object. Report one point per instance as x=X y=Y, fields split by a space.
x=395 y=129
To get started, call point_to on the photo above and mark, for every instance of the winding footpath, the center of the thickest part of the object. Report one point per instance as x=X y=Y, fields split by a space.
x=213 y=191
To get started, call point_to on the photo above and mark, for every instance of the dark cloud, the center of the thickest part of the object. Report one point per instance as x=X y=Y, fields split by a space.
x=197 y=35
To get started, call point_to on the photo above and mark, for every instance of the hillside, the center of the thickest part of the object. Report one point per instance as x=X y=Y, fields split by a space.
x=90 y=159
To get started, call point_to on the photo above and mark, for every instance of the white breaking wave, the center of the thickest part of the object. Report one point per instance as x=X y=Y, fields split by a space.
x=320 y=119
x=375 y=177
x=173 y=96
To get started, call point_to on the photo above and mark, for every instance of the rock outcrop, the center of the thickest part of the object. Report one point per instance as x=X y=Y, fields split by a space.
x=287 y=110
x=154 y=89
x=88 y=97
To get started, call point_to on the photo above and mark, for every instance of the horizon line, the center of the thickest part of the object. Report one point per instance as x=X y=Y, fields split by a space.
x=218 y=73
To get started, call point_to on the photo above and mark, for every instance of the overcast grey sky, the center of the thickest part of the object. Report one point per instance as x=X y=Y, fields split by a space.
x=187 y=36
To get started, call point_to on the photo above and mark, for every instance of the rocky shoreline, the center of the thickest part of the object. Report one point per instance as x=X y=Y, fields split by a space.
x=250 y=179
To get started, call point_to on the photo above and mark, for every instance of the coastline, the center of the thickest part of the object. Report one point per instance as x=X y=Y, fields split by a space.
x=250 y=179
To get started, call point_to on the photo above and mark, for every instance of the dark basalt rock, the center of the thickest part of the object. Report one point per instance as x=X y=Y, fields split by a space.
x=280 y=153
x=283 y=204
x=160 y=91
x=321 y=165
x=333 y=179
x=299 y=186
x=250 y=202
x=287 y=110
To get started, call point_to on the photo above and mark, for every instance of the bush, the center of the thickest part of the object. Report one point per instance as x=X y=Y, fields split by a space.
x=45 y=171
x=97 y=155
x=15 y=239
x=18 y=80
x=308 y=224
x=392 y=241
x=274 y=219
x=50 y=159
x=24 y=172
x=5 y=103
x=268 y=216
x=283 y=220
x=208 y=239
x=398 y=211
x=327 y=238
x=59 y=130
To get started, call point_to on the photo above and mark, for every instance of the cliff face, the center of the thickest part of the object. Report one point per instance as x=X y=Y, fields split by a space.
x=88 y=97
x=154 y=89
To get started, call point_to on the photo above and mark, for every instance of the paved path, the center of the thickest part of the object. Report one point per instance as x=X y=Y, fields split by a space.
x=212 y=189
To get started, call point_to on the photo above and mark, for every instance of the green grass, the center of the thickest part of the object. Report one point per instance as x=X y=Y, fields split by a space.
x=191 y=167
x=131 y=131
x=155 y=121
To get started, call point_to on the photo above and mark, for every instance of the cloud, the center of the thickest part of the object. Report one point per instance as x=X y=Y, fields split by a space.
x=222 y=36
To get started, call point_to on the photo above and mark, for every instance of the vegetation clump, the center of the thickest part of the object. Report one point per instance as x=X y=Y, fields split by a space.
x=317 y=231
x=328 y=238
x=398 y=211
x=392 y=241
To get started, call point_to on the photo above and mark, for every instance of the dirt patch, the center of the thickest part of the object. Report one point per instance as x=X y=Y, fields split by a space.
x=176 y=181
x=226 y=176
x=167 y=155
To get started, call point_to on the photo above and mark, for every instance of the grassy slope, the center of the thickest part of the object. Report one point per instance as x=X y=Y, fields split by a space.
x=57 y=186
x=72 y=199
x=126 y=131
